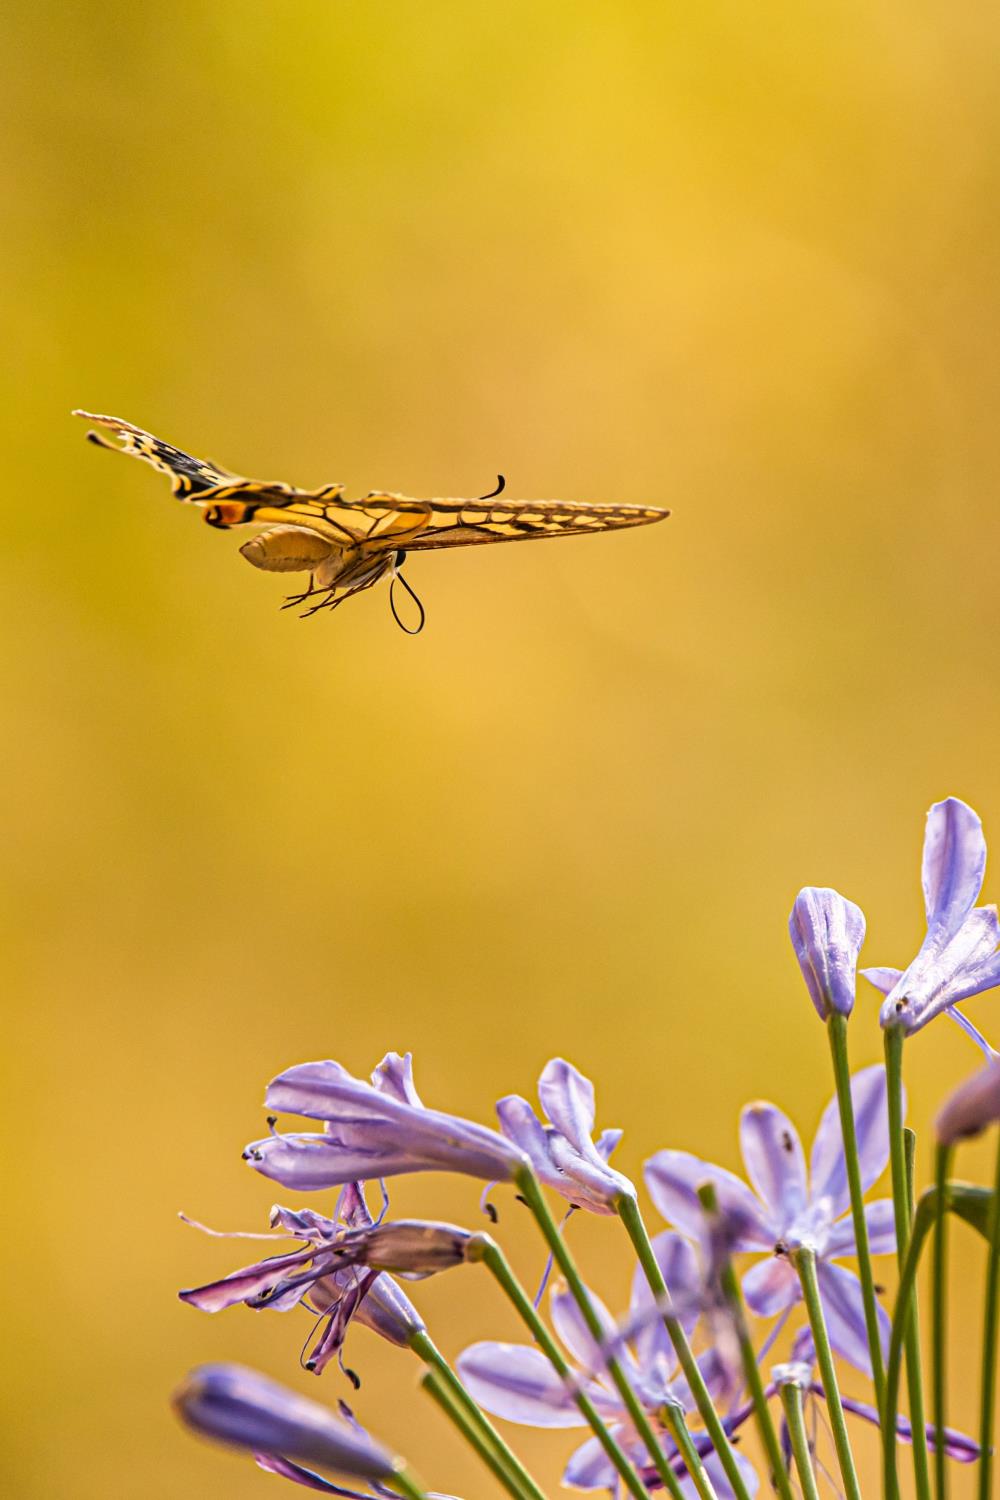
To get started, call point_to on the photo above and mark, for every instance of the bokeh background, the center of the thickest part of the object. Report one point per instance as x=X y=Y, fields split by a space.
x=738 y=262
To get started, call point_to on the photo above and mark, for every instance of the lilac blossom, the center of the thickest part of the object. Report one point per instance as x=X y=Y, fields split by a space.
x=340 y=1286
x=827 y=931
x=563 y=1152
x=517 y=1382
x=372 y=1130
x=789 y=1208
x=958 y=957
x=972 y=1107
x=244 y=1409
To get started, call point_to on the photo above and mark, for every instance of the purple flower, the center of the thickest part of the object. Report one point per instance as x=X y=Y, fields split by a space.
x=517 y=1382
x=372 y=1130
x=563 y=1152
x=333 y=1269
x=827 y=932
x=958 y=957
x=973 y=1106
x=790 y=1208
x=244 y=1409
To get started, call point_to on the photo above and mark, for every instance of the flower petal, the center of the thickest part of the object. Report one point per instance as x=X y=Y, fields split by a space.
x=775 y=1163
x=971 y=1107
x=953 y=865
x=827 y=932
x=770 y=1286
x=972 y=1031
x=394 y=1076
x=568 y=1100
x=517 y=1382
x=569 y=1324
x=828 y=1169
x=717 y=1475
x=965 y=1450
x=673 y=1178
x=844 y=1310
x=248 y=1282
x=678 y=1265
x=881 y=1222
x=883 y=979
x=589 y=1467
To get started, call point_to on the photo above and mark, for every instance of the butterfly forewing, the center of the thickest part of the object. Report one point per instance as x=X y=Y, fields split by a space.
x=187 y=474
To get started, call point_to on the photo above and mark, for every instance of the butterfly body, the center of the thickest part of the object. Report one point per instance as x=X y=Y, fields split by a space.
x=346 y=546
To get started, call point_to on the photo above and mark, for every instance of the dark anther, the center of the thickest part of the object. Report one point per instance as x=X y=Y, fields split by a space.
x=780 y=1248
x=786 y=1141
x=489 y=1209
x=880 y=1290
x=310 y=1365
x=272 y=1120
x=352 y=1376
x=519 y=1199
x=501 y=482
x=900 y=1007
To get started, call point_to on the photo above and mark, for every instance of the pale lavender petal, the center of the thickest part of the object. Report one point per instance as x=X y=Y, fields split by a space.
x=673 y=1178
x=883 y=979
x=770 y=1286
x=394 y=1076
x=828 y=1169
x=953 y=865
x=274 y=1464
x=827 y=932
x=967 y=965
x=965 y=1450
x=720 y=1483
x=607 y=1142
x=970 y=1108
x=589 y=1467
x=389 y=1312
x=881 y=1222
x=776 y=1166
x=517 y=1382
x=240 y=1407
x=843 y=1308
x=963 y=1021
x=307 y=1162
x=678 y=1265
x=568 y=1101
x=569 y=1324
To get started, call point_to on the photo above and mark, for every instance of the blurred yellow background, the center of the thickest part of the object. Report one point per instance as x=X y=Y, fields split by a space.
x=741 y=263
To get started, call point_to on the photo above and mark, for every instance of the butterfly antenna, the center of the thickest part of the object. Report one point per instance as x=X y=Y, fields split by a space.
x=397 y=577
x=501 y=483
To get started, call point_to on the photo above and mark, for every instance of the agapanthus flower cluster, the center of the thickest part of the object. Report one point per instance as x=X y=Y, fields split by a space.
x=756 y=1298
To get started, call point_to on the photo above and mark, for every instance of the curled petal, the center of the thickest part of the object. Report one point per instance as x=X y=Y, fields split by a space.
x=776 y=1166
x=828 y=1169
x=568 y=1101
x=881 y=1221
x=827 y=932
x=517 y=1382
x=394 y=1076
x=251 y=1281
x=843 y=1308
x=770 y=1286
x=673 y=1178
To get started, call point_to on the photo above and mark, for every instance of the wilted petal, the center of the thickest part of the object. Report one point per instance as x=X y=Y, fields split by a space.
x=844 y=1310
x=881 y=1221
x=776 y=1166
x=953 y=865
x=973 y=1106
x=410 y=1247
x=827 y=932
x=251 y=1281
x=673 y=1178
x=240 y=1407
x=828 y=1169
x=517 y=1382
x=589 y=1467
x=770 y=1286
x=388 y=1312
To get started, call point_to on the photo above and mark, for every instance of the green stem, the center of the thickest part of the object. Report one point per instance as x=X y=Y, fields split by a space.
x=530 y=1190
x=942 y=1166
x=488 y=1251
x=628 y=1211
x=407 y=1486
x=791 y=1400
x=991 y=1321
x=837 y=1033
x=441 y=1393
x=672 y=1416
x=751 y=1370
x=805 y=1263
x=924 y=1218
x=902 y=1207
x=519 y=1483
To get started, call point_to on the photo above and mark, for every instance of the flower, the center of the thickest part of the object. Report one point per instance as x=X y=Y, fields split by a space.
x=517 y=1382
x=334 y=1269
x=827 y=932
x=372 y=1130
x=973 y=1106
x=563 y=1152
x=244 y=1409
x=789 y=1208
x=958 y=957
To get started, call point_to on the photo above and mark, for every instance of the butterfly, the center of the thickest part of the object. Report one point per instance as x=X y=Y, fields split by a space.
x=347 y=546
